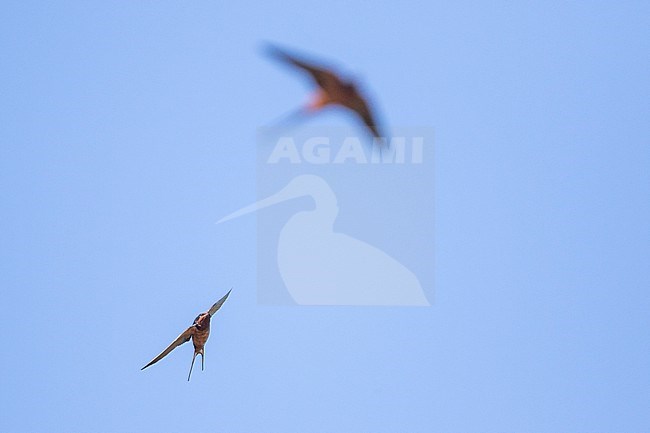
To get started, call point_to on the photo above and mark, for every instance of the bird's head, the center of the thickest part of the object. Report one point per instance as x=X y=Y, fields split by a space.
x=202 y=321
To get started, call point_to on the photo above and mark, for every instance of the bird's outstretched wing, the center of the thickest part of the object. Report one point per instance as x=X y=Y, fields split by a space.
x=324 y=77
x=218 y=304
x=360 y=106
x=338 y=89
x=183 y=338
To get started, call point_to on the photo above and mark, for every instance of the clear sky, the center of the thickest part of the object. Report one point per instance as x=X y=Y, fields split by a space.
x=129 y=128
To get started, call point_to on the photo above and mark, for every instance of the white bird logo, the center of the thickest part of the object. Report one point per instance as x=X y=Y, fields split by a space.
x=323 y=267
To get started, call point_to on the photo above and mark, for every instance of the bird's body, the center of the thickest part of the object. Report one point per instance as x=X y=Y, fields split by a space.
x=198 y=333
x=333 y=89
x=201 y=331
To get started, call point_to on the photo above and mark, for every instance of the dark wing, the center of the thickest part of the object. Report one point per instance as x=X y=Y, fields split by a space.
x=218 y=304
x=359 y=105
x=325 y=78
x=183 y=338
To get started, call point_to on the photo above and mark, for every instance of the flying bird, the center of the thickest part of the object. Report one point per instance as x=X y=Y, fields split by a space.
x=198 y=333
x=332 y=89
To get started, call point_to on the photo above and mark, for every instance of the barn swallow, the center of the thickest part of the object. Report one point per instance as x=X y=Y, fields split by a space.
x=198 y=333
x=333 y=89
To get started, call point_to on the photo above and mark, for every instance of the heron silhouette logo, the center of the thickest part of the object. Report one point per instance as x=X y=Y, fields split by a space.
x=378 y=250
x=322 y=267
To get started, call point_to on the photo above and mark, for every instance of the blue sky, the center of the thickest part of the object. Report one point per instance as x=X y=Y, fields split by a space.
x=129 y=128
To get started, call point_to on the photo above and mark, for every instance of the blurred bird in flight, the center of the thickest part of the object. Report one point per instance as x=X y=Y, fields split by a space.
x=198 y=333
x=332 y=89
